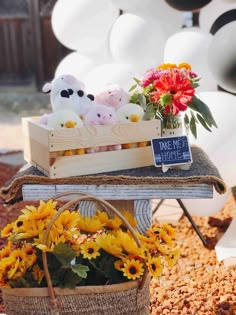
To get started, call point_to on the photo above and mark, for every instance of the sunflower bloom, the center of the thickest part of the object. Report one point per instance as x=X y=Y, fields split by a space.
x=45 y=210
x=169 y=230
x=38 y=274
x=129 y=245
x=110 y=244
x=133 y=269
x=172 y=257
x=130 y=218
x=90 y=250
x=89 y=225
x=155 y=266
x=119 y=264
x=8 y=230
x=112 y=223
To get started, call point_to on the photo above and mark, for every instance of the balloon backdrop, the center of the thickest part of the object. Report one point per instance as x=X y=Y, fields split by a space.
x=103 y=74
x=134 y=38
x=206 y=207
x=83 y=25
x=186 y=5
x=222 y=57
x=191 y=45
x=209 y=14
x=75 y=64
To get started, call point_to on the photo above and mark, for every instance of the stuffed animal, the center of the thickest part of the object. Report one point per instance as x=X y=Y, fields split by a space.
x=65 y=119
x=131 y=113
x=100 y=114
x=112 y=95
x=66 y=92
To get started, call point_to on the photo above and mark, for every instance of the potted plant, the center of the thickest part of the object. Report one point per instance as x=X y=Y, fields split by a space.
x=55 y=260
x=169 y=91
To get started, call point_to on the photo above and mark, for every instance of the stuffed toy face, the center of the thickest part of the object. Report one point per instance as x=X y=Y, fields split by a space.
x=64 y=119
x=100 y=115
x=130 y=113
x=112 y=95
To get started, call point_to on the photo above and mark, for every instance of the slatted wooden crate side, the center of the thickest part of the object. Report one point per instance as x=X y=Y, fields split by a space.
x=36 y=142
x=100 y=162
x=90 y=136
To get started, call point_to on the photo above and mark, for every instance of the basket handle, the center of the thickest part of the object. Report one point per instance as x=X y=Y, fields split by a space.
x=107 y=206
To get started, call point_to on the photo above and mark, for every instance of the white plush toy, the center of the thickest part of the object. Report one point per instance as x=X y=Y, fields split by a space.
x=65 y=119
x=131 y=113
x=66 y=92
x=100 y=114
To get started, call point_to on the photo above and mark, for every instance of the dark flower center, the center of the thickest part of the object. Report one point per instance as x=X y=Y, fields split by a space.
x=90 y=250
x=153 y=267
x=19 y=223
x=173 y=92
x=132 y=270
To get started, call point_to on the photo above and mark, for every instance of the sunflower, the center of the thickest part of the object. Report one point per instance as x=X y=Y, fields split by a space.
x=129 y=245
x=112 y=223
x=129 y=217
x=172 y=257
x=6 y=251
x=30 y=229
x=37 y=273
x=119 y=264
x=133 y=269
x=8 y=230
x=44 y=210
x=155 y=266
x=89 y=225
x=67 y=221
x=169 y=230
x=110 y=244
x=90 y=250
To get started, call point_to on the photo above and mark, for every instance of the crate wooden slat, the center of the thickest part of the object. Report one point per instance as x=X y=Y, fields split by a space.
x=43 y=146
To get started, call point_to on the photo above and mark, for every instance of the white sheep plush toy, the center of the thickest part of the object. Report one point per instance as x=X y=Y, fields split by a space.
x=67 y=93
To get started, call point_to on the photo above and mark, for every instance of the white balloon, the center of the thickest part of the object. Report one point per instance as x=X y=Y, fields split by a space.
x=137 y=41
x=117 y=73
x=75 y=64
x=224 y=158
x=223 y=108
x=206 y=207
x=191 y=45
x=83 y=25
x=209 y=14
x=222 y=57
x=158 y=10
x=131 y=5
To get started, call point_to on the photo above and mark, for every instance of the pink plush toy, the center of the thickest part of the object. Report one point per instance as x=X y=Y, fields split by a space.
x=112 y=95
x=101 y=115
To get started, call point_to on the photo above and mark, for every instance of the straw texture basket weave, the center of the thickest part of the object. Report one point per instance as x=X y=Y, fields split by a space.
x=129 y=298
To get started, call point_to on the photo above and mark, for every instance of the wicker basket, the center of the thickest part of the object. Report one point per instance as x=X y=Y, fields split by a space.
x=129 y=298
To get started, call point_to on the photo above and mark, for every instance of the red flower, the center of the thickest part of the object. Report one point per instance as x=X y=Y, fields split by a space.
x=176 y=85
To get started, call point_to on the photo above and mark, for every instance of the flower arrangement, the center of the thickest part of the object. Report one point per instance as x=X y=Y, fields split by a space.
x=168 y=90
x=81 y=251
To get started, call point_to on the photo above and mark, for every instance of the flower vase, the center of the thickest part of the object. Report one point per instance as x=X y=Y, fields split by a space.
x=172 y=126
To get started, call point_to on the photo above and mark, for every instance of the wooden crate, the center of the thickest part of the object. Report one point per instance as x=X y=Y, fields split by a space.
x=43 y=147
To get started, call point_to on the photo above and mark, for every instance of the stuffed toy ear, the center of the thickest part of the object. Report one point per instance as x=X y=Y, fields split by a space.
x=47 y=88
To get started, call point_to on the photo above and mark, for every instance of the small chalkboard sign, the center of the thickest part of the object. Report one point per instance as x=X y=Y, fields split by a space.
x=171 y=151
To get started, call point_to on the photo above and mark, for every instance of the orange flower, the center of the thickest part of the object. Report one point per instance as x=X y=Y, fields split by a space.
x=173 y=89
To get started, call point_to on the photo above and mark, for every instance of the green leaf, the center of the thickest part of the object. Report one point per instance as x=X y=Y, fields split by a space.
x=142 y=101
x=80 y=270
x=64 y=253
x=133 y=87
x=203 y=109
x=186 y=121
x=202 y=121
x=136 y=80
x=193 y=126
